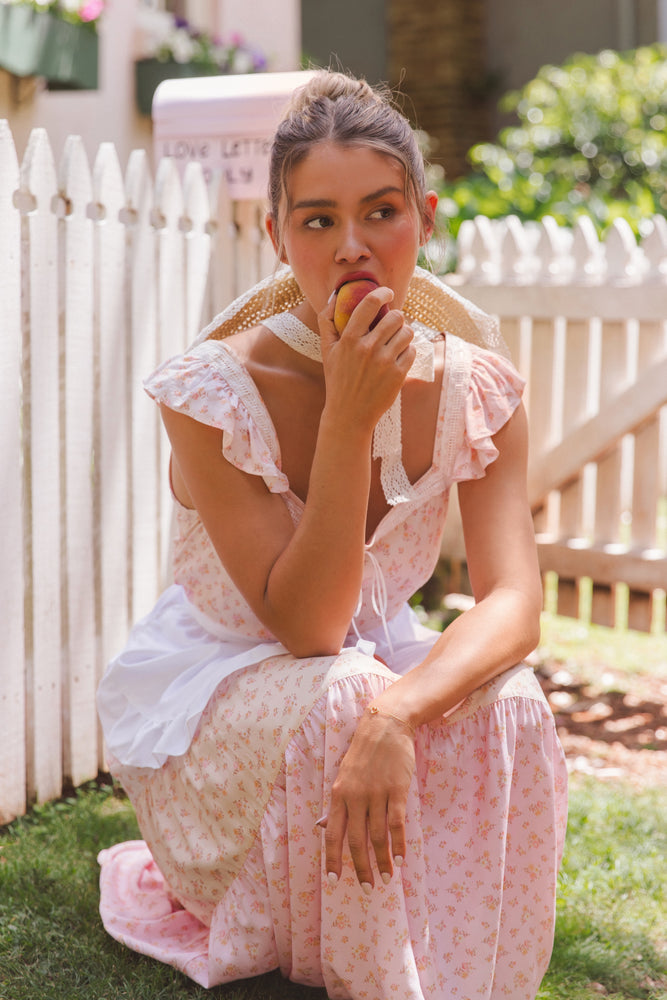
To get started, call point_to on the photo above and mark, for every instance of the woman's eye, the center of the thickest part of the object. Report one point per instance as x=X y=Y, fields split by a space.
x=319 y=222
x=385 y=212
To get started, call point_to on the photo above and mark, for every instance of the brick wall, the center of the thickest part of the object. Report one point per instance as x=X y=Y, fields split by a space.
x=437 y=56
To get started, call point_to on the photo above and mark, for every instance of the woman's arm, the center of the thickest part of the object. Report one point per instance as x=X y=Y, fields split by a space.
x=303 y=583
x=503 y=625
x=497 y=632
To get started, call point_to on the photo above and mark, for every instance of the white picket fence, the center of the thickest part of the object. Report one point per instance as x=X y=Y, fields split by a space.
x=104 y=275
x=586 y=322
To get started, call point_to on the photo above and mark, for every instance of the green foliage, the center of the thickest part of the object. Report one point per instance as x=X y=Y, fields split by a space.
x=591 y=140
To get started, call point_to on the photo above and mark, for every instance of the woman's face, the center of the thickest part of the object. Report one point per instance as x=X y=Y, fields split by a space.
x=348 y=216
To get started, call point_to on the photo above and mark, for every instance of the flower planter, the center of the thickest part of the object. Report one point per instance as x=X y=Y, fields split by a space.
x=149 y=73
x=38 y=43
x=23 y=34
x=69 y=60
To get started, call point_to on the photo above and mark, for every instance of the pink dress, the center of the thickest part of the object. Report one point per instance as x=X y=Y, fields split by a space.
x=228 y=746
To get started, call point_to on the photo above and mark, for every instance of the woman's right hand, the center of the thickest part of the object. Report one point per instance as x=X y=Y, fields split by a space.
x=369 y=798
x=365 y=369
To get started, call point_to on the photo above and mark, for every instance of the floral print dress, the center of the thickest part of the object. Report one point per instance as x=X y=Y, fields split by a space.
x=228 y=747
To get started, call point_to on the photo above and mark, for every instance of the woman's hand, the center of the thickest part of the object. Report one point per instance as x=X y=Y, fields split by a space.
x=365 y=369
x=368 y=799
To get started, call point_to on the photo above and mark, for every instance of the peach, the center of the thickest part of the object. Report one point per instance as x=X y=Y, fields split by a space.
x=349 y=296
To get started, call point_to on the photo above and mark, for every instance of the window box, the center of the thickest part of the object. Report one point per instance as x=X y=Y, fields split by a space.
x=39 y=43
x=149 y=73
x=23 y=32
x=69 y=60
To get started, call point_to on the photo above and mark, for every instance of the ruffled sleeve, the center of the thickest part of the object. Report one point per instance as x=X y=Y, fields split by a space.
x=493 y=394
x=208 y=385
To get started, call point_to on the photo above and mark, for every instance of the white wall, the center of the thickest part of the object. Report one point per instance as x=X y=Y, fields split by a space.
x=109 y=113
x=273 y=25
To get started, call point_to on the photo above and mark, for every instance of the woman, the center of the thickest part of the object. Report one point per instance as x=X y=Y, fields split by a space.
x=323 y=785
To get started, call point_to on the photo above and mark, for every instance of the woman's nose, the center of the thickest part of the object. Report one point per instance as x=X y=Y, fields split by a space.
x=351 y=245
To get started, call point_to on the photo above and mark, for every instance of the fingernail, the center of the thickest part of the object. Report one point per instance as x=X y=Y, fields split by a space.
x=386 y=877
x=367 y=887
x=332 y=296
x=332 y=877
x=322 y=821
x=398 y=860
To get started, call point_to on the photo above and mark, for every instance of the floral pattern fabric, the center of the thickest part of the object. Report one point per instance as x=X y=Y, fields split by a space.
x=480 y=392
x=229 y=879
x=469 y=914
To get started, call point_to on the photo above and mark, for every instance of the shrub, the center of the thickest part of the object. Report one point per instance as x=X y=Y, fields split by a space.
x=591 y=140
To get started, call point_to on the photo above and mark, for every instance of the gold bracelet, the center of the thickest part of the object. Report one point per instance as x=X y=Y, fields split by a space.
x=374 y=710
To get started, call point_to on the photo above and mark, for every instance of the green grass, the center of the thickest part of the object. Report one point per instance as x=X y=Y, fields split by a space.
x=612 y=909
x=52 y=943
x=591 y=648
x=612 y=901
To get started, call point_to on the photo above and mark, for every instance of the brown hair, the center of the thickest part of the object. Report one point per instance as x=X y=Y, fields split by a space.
x=340 y=108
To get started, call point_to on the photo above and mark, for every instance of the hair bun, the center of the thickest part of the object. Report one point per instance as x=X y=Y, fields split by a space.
x=333 y=86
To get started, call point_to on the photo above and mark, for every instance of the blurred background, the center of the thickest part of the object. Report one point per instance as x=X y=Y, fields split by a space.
x=453 y=59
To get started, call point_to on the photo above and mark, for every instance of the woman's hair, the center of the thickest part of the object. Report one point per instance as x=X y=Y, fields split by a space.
x=338 y=108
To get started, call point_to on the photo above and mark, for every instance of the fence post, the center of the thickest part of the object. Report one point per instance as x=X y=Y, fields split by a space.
x=41 y=413
x=75 y=256
x=141 y=322
x=111 y=417
x=12 y=664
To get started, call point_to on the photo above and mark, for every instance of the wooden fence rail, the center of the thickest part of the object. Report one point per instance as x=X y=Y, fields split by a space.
x=105 y=274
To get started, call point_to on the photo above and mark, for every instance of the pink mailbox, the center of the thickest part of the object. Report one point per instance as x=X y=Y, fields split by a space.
x=224 y=122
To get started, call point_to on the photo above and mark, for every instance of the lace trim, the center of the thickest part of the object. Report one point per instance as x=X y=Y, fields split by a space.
x=387 y=442
x=295 y=334
x=225 y=362
x=458 y=362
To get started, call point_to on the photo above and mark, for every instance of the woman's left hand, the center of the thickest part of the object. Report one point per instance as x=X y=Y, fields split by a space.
x=368 y=799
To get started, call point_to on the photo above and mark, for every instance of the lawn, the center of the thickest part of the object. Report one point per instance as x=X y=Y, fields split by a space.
x=611 y=937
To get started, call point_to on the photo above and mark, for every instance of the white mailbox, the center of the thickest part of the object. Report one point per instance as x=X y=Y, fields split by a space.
x=224 y=122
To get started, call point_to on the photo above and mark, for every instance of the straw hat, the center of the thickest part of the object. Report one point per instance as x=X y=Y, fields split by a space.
x=429 y=301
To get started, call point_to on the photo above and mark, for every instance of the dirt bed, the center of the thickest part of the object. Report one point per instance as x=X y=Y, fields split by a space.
x=612 y=720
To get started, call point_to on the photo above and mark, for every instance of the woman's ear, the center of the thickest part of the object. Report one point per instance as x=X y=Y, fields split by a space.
x=428 y=223
x=272 y=230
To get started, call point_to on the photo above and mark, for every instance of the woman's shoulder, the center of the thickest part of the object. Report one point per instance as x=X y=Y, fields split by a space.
x=207 y=362
x=211 y=382
x=483 y=391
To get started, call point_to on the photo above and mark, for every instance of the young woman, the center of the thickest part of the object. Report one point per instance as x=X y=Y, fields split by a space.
x=323 y=785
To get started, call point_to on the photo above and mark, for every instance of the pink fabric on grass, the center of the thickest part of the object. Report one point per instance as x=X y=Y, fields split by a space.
x=471 y=912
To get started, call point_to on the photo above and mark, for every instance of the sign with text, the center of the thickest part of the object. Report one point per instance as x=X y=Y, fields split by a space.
x=226 y=123
x=243 y=160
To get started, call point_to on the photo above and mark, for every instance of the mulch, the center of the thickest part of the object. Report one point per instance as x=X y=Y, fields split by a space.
x=613 y=727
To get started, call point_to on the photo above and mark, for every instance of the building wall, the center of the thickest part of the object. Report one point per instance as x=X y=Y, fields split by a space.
x=97 y=115
x=109 y=114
